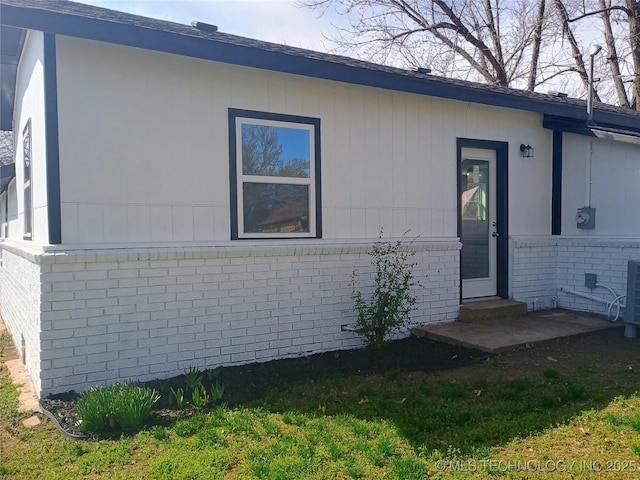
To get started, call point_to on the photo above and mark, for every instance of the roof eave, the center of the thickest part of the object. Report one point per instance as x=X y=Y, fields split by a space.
x=209 y=48
x=11 y=41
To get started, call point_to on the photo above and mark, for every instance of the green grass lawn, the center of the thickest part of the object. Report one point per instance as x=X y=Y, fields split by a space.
x=474 y=423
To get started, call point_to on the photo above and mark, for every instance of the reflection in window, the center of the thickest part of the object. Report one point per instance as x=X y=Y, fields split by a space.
x=275 y=171
x=474 y=192
x=275 y=208
x=275 y=151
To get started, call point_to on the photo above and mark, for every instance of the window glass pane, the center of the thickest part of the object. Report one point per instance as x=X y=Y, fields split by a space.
x=275 y=151
x=272 y=207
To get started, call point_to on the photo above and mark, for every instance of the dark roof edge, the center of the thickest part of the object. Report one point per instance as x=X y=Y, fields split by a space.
x=605 y=132
x=7 y=84
x=131 y=30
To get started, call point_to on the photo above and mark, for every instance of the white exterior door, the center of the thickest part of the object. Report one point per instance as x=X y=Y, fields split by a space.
x=479 y=226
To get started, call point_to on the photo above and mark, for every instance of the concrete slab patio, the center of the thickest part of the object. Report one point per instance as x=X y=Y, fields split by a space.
x=495 y=334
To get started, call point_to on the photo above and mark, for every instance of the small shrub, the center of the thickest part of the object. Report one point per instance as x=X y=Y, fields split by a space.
x=122 y=405
x=193 y=378
x=177 y=397
x=213 y=374
x=200 y=398
x=391 y=301
x=217 y=391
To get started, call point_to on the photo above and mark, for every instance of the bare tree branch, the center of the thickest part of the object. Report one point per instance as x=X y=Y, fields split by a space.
x=515 y=43
x=598 y=12
x=575 y=48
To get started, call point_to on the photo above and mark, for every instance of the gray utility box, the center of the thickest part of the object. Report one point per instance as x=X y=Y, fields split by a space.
x=632 y=310
x=586 y=218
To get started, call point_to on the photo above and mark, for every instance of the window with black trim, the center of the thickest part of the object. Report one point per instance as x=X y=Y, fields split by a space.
x=28 y=195
x=275 y=175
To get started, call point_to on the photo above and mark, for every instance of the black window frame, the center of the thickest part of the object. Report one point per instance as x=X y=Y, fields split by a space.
x=236 y=115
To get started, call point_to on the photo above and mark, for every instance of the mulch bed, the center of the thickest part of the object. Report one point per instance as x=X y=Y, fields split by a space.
x=245 y=383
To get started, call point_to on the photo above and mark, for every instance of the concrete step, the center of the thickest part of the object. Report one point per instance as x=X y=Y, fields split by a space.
x=484 y=310
x=494 y=335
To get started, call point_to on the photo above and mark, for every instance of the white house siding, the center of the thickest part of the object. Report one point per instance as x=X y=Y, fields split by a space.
x=4 y=224
x=8 y=210
x=29 y=104
x=14 y=219
x=20 y=305
x=615 y=174
x=153 y=312
x=144 y=149
x=19 y=276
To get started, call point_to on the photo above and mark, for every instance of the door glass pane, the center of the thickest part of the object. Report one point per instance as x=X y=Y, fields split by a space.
x=475 y=219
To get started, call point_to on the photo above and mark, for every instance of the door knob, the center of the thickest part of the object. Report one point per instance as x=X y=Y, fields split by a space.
x=495 y=234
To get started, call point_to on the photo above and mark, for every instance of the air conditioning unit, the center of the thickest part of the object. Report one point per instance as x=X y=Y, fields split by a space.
x=632 y=311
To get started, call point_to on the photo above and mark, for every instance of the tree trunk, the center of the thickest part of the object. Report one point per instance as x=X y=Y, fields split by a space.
x=634 y=39
x=614 y=61
x=535 y=54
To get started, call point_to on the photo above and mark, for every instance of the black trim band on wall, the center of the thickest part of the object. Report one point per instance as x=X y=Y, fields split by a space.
x=52 y=140
x=556 y=185
x=502 y=205
x=233 y=177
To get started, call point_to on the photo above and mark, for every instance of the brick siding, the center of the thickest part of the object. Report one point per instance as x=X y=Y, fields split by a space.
x=108 y=315
x=20 y=292
x=544 y=268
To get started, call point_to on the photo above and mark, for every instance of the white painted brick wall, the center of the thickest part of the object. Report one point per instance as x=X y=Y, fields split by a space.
x=534 y=263
x=544 y=267
x=606 y=258
x=20 y=292
x=142 y=314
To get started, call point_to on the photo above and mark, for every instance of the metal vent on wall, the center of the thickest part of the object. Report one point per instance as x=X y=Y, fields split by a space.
x=632 y=312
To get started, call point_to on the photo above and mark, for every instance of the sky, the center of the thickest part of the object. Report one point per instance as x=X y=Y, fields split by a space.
x=278 y=21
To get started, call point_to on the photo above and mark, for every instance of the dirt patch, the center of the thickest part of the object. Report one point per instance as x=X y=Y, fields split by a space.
x=604 y=354
x=9 y=422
